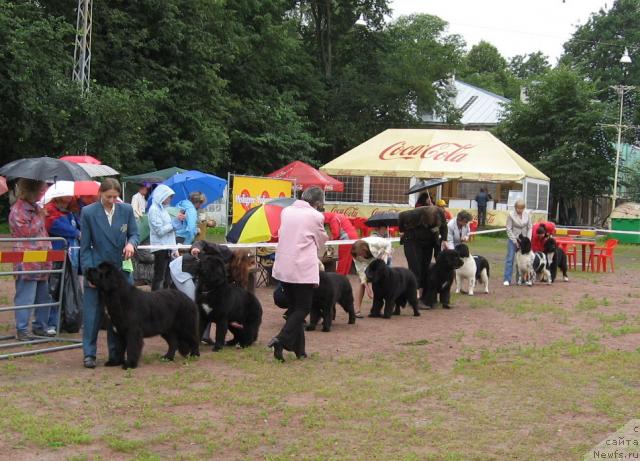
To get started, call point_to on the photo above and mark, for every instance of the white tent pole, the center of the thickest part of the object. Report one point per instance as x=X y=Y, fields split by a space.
x=366 y=189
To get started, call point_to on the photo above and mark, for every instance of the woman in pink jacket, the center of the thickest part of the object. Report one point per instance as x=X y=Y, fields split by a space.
x=300 y=237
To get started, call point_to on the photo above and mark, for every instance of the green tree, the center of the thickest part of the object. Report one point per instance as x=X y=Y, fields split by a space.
x=558 y=132
x=529 y=66
x=484 y=67
x=632 y=181
x=385 y=78
x=273 y=86
x=35 y=88
x=596 y=47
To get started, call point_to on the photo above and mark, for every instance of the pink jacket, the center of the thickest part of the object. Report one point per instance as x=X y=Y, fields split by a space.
x=300 y=237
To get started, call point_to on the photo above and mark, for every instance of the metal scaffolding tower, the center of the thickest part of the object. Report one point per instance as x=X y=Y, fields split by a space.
x=82 y=52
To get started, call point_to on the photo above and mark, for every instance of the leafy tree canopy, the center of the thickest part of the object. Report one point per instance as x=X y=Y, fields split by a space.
x=558 y=132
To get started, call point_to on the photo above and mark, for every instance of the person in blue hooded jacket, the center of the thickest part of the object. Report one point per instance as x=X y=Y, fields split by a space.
x=162 y=229
x=187 y=232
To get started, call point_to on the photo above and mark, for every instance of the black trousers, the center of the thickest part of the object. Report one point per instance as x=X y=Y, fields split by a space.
x=161 y=275
x=419 y=254
x=298 y=296
x=482 y=215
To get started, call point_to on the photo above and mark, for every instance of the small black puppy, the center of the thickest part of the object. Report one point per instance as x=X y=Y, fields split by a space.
x=230 y=306
x=556 y=258
x=393 y=287
x=137 y=314
x=333 y=288
x=441 y=275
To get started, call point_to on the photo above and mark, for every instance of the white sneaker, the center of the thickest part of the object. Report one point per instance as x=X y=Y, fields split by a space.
x=566 y=279
x=505 y=283
x=529 y=283
x=51 y=331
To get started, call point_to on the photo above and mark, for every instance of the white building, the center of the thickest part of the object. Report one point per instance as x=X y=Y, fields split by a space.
x=481 y=109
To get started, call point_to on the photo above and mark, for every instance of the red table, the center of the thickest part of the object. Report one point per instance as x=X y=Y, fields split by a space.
x=584 y=244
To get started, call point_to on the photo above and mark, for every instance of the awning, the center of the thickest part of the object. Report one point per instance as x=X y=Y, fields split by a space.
x=306 y=176
x=154 y=176
x=451 y=154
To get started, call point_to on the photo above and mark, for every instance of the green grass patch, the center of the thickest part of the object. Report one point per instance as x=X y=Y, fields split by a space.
x=587 y=303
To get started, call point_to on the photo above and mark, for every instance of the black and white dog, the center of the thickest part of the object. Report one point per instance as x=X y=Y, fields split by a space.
x=530 y=264
x=474 y=268
x=556 y=258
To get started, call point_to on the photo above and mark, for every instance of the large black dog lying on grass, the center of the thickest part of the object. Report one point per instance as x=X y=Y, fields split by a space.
x=230 y=306
x=333 y=288
x=137 y=314
x=393 y=287
x=441 y=275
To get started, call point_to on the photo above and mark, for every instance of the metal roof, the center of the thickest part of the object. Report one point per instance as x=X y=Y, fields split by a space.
x=478 y=106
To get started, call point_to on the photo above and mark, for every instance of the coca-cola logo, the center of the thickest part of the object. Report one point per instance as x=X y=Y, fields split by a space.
x=350 y=211
x=383 y=210
x=444 y=151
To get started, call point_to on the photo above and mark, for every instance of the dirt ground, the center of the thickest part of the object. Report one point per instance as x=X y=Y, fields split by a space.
x=445 y=334
x=429 y=348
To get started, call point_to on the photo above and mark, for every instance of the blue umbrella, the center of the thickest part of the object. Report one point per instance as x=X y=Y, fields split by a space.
x=196 y=181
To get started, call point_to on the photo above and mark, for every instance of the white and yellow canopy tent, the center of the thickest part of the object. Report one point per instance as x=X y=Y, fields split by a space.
x=451 y=154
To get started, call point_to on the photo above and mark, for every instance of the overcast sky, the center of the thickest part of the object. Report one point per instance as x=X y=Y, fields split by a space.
x=513 y=26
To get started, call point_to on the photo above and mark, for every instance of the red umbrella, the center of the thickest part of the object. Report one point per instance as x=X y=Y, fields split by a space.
x=307 y=176
x=91 y=165
x=81 y=159
x=71 y=189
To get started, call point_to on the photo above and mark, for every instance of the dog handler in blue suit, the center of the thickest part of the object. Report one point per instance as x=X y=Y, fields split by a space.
x=109 y=233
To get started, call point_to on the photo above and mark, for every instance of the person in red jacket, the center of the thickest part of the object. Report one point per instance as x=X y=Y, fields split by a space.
x=341 y=229
x=540 y=232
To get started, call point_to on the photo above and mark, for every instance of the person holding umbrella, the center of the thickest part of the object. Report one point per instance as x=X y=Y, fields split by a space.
x=109 y=233
x=26 y=220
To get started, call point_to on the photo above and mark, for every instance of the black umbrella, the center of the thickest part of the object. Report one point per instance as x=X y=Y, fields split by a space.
x=426 y=184
x=44 y=169
x=384 y=218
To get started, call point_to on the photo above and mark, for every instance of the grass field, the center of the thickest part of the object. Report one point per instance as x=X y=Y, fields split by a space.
x=497 y=399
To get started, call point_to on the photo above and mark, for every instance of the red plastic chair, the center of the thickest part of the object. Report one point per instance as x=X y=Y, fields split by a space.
x=572 y=256
x=604 y=253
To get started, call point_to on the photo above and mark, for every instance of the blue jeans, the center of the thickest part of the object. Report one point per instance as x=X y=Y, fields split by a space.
x=92 y=313
x=508 y=264
x=31 y=292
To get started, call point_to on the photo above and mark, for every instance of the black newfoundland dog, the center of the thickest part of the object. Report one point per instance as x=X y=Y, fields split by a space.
x=441 y=275
x=230 y=306
x=393 y=287
x=556 y=258
x=135 y=314
x=333 y=288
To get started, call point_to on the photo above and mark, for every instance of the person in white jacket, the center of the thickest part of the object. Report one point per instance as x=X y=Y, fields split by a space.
x=162 y=229
x=139 y=202
x=458 y=229
x=518 y=223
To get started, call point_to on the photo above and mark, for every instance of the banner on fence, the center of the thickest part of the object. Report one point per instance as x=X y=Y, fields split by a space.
x=250 y=191
x=495 y=218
